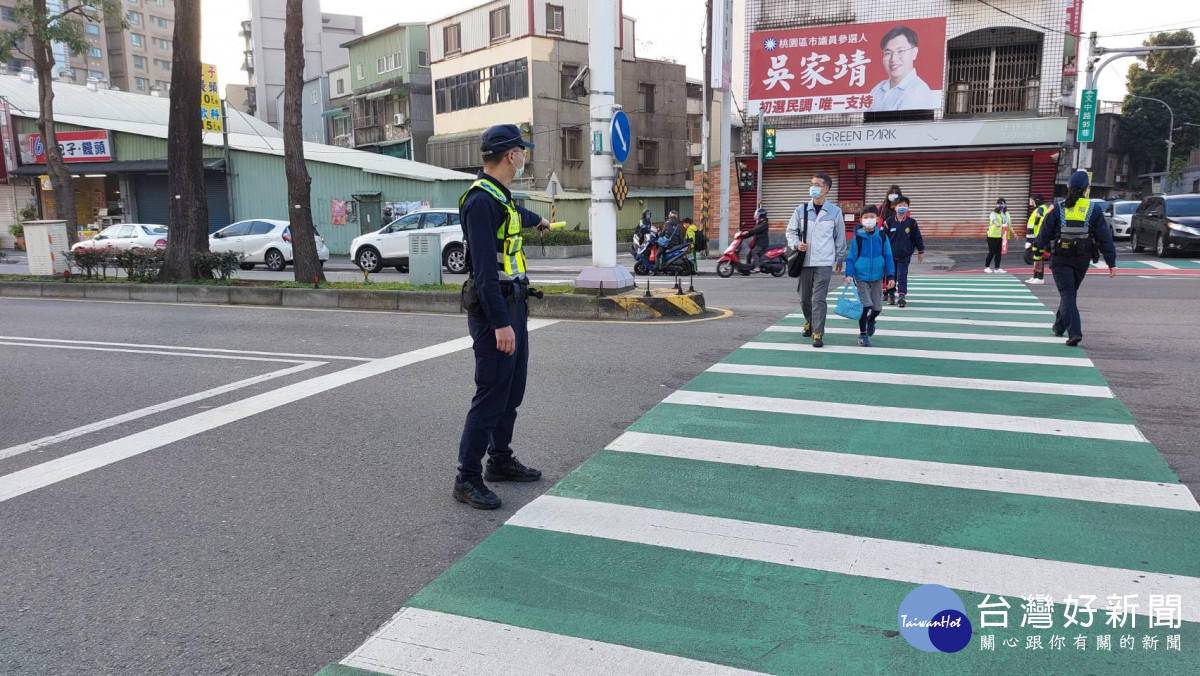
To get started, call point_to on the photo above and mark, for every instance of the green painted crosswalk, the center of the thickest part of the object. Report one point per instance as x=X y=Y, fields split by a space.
x=771 y=515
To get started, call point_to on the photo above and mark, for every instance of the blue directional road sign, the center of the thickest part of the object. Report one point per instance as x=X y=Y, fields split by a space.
x=620 y=136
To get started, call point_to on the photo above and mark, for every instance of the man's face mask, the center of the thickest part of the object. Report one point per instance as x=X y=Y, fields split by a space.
x=520 y=170
x=814 y=191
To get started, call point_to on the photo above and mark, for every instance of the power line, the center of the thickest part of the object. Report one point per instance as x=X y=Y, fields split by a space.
x=1171 y=28
x=1024 y=20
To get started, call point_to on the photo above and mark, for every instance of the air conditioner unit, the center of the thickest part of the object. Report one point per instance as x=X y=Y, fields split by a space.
x=399 y=119
x=1120 y=178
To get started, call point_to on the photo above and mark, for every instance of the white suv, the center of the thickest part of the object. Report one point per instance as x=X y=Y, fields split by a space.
x=389 y=245
x=261 y=241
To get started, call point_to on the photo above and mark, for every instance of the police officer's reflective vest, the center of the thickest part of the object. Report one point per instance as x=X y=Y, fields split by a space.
x=509 y=242
x=1034 y=226
x=1074 y=237
x=997 y=223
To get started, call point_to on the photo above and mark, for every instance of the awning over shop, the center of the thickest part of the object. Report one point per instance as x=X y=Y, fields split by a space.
x=127 y=167
x=383 y=93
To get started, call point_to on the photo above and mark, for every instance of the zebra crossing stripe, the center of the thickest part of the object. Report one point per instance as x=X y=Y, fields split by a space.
x=927 y=334
x=981 y=421
x=419 y=641
x=1081 y=362
x=890 y=318
x=1096 y=391
x=970 y=570
x=1022 y=482
x=968 y=305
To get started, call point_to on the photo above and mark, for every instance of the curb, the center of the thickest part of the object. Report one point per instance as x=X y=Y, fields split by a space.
x=559 y=306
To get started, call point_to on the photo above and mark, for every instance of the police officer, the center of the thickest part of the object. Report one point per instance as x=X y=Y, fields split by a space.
x=1072 y=234
x=1039 y=208
x=495 y=297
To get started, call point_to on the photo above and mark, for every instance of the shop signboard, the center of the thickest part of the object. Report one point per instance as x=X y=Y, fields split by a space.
x=1034 y=131
x=76 y=146
x=211 y=118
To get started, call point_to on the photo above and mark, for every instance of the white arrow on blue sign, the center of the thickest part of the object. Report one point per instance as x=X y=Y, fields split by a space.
x=620 y=136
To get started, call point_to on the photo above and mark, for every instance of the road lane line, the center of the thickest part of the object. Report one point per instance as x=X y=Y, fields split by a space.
x=66 y=467
x=968 y=304
x=432 y=643
x=1159 y=265
x=972 y=477
x=962 y=569
x=912 y=310
x=151 y=410
x=968 y=297
x=1058 y=427
x=1094 y=391
x=925 y=354
x=926 y=334
x=158 y=352
x=325 y=357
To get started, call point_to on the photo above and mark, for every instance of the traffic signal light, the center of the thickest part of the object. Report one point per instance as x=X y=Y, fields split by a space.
x=768 y=143
x=746 y=180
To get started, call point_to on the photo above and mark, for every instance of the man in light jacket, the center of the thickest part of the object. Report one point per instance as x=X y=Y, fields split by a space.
x=818 y=229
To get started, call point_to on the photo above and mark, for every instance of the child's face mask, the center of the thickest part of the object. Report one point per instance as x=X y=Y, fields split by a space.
x=869 y=224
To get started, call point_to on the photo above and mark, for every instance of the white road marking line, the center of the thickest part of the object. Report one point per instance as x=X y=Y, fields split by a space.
x=66 y=467
x=963 y=569
x=970 y=298
x=924 y=354
x=968 y=304
x=872 y=377
x=151 y=410
x=1159 y=265
x=899 y=316
x=971 y=477
x=991 y=422
x=158 y=352
x=325 y=357
x=986 y=311
x=921 y=288
x=431 y=643
x=835 y=330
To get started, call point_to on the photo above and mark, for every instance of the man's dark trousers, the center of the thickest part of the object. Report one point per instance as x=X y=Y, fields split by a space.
x=499 y=390
x=1068 y=276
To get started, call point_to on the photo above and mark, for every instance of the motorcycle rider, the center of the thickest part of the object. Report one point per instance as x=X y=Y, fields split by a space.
x=672 y=235
x=758 y=237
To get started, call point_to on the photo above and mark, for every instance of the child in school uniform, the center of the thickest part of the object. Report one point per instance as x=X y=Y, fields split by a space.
x=871 y=268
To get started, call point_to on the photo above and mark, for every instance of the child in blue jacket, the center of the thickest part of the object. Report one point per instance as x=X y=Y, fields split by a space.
x=905 y=237
x=870 y=267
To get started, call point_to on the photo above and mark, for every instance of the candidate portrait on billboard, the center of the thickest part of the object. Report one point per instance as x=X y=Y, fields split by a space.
x=902 y=88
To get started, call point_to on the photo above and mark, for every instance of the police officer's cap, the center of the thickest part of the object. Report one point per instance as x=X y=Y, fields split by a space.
x=1078 y=180
x=502 y=137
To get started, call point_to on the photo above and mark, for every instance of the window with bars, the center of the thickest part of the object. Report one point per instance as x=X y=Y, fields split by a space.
x=498 y=22
x=452 y=38
x=572 y=144
x=554 y=19
x=996 y=78
x=647 y=91
x=647 y=155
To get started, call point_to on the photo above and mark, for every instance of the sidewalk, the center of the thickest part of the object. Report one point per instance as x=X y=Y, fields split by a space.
x=773 y=514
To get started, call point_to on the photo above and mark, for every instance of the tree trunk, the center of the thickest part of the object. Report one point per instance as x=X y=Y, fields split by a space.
x=188 y=214
x=304 y=246
x=60 y=176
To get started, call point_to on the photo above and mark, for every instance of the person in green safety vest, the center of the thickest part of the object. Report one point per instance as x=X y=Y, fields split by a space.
x=1038 y=209
x=1075 y=235
x=999 y=228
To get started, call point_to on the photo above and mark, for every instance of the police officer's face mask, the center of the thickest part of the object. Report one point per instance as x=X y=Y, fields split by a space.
x=519 y=171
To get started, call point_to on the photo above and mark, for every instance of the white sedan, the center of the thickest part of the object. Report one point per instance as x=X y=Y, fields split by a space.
x=127 y=236
x=388 y=246
x=261 y=241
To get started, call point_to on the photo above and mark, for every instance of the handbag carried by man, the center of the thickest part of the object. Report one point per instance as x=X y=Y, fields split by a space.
x=850 y=308
x=795 y=262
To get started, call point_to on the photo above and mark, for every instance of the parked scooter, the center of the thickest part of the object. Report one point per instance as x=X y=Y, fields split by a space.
x=773 y=261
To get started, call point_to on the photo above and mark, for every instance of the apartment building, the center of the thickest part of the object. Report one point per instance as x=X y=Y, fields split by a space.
x=140 y=56
x=391 y=102
x=70 y=68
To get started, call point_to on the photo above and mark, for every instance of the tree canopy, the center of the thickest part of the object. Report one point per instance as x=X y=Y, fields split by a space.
x=1174 y=78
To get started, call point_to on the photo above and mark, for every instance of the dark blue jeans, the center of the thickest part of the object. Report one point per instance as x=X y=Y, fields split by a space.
x=1068 y=276
x=902 y=275
x=499 y=390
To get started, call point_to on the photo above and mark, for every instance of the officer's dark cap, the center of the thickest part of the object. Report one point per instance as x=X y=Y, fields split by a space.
x=501 y=138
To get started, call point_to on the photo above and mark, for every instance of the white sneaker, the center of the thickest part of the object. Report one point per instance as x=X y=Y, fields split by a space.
x=1000 y=271
x=1031 y=280
x=987 y=271
x=1037 y=281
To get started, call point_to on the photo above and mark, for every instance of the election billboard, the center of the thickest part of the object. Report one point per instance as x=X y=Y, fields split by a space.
x=867 y=67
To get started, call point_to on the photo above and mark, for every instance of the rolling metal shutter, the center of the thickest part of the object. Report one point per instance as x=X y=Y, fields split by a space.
x=154 y=200
x=952 y=197
x=785 y=186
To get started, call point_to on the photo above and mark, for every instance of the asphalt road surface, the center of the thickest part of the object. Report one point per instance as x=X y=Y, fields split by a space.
x=233 y=490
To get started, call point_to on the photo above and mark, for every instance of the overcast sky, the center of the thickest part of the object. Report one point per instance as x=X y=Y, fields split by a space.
x=673 y=28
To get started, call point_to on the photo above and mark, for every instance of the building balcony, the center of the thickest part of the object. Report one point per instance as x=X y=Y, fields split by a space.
x=381 y=134
x=977 y=99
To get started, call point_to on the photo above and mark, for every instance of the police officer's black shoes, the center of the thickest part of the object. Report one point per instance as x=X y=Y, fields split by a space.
x=1074 y=340
x=475 y=493
x=509 y=469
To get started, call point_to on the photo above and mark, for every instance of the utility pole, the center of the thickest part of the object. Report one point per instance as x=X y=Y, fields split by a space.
x=1170 y=138
x=758 y=202
x=705 y=142
x=726 y=27
x=605 y=273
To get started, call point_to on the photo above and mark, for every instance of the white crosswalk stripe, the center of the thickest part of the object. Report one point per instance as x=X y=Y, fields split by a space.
x=927 y=334
x=924 y=354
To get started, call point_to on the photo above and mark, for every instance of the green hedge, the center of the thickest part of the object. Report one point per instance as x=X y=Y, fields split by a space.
x=568 y=237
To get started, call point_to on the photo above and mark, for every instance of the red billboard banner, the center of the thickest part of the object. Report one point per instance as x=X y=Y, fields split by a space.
x=886 y=66
x=1074 y=14
x=75 y=146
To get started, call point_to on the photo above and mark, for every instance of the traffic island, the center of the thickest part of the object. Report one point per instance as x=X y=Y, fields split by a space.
x=557 y=303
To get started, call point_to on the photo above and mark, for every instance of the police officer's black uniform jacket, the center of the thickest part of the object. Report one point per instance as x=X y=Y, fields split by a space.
x=481 y=217
x=1097 y=231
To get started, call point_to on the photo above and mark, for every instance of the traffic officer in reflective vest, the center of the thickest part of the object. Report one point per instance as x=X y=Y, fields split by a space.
x=1073 y=235
x=495 y=297
x=1040 y=207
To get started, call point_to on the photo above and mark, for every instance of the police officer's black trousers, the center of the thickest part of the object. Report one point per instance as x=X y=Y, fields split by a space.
x=499 y=390
x=1068 y=274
